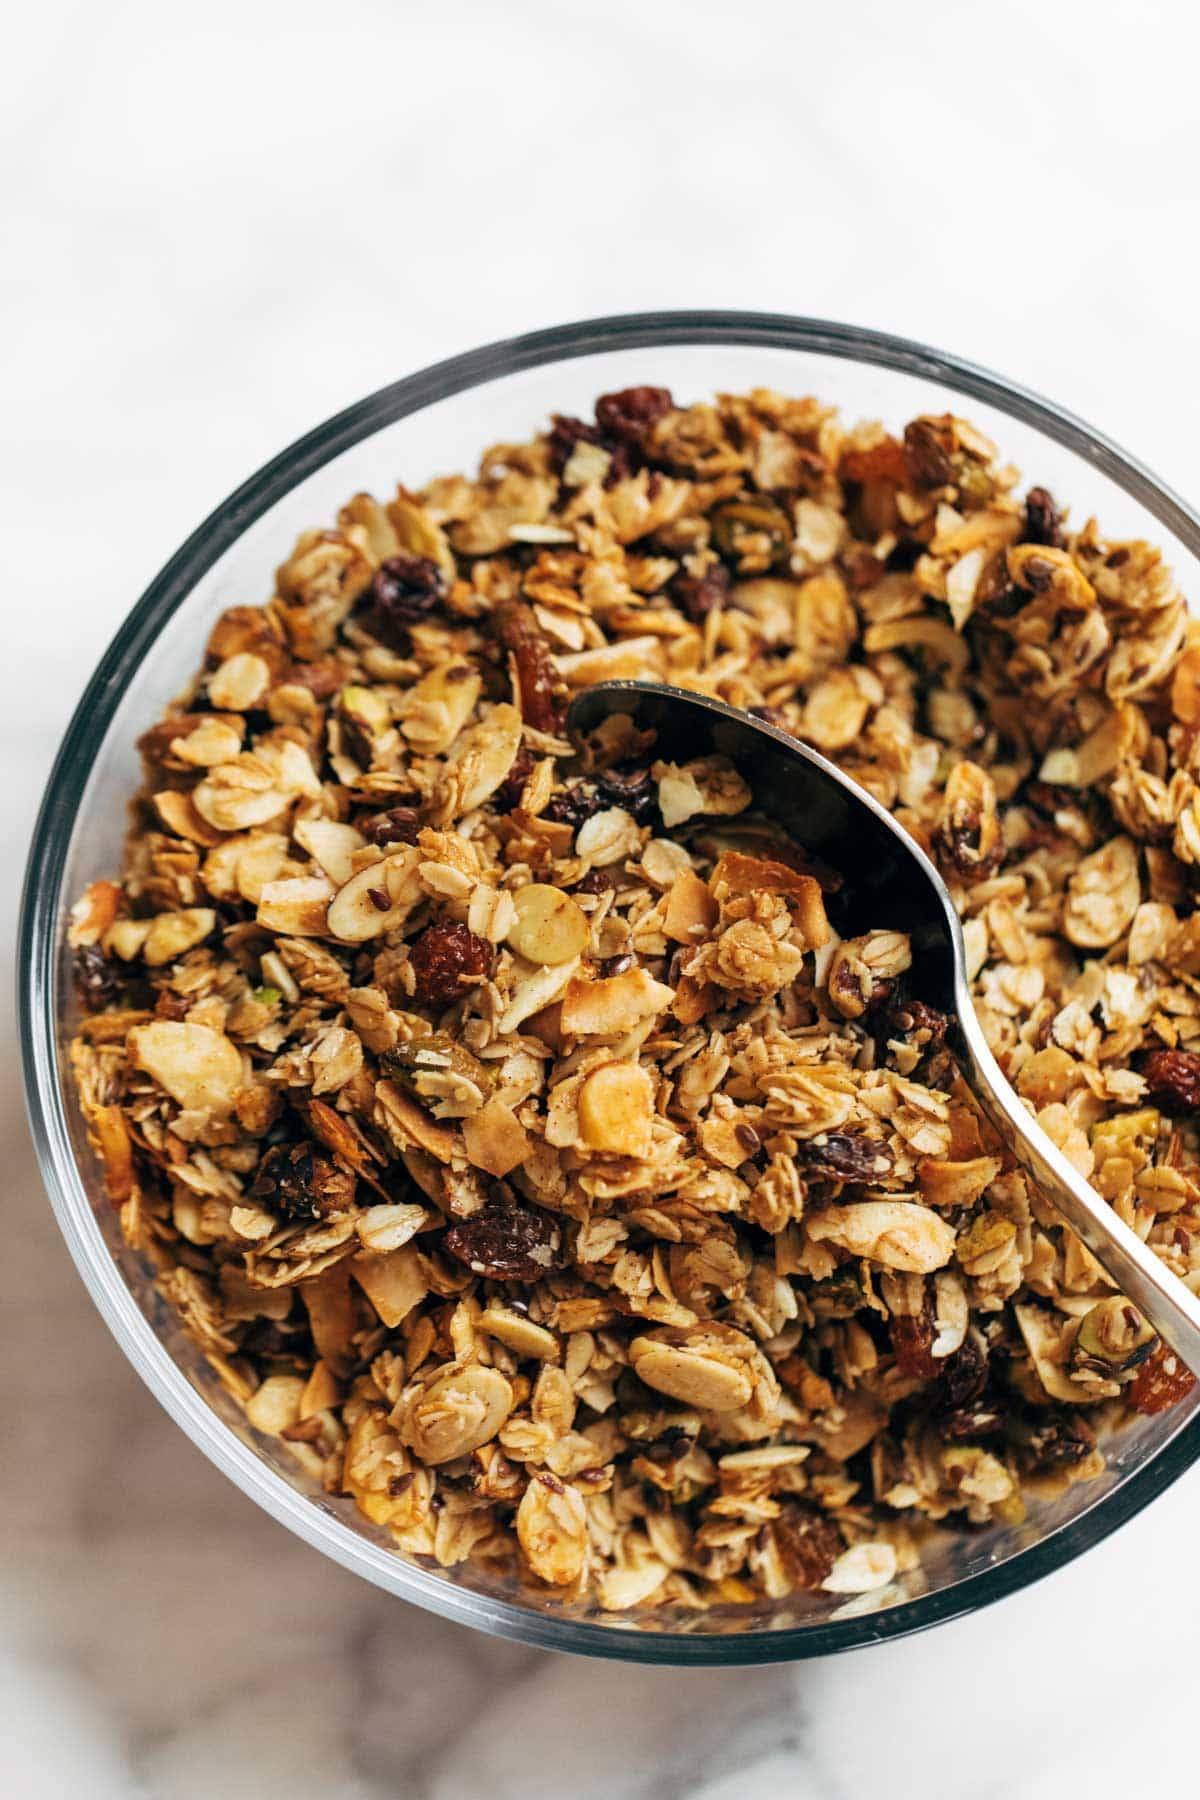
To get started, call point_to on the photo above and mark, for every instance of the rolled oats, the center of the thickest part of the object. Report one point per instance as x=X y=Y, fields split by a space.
x=510 y=1120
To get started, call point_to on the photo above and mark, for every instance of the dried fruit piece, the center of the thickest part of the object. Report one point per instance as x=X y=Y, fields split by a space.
x=845 y=1156
x=808 y=1543
x=1161 y=1382
x=541 y=691
x=631 y=414
x=98 y=979
x=296 y=1182
x=549 y=927
x=1173 y=1080
x=506 y=1240
x=405 y=591
x=447 y=961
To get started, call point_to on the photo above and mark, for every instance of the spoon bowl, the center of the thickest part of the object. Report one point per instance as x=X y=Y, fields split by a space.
x=889 y=881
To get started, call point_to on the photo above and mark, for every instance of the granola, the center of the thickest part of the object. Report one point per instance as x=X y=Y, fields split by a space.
x=505 y=1115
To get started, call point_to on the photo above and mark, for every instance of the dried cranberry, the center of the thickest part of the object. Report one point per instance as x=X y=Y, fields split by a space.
x=99 y=979
x=844 y=1156
x=399 y=825
x=540 y=688
x=697 y=595
x=1043 y=521
x=1173 y=1080
x=405 y=590
x=444 y=959
x=808 y=1542
x=631 y=414
x=508 y=794
x=506 y=1240
x=296 y=1182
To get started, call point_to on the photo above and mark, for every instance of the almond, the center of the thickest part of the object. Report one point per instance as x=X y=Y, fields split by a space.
x=549 y=927
x=616 y=1109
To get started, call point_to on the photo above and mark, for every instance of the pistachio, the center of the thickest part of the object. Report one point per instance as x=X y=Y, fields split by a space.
x=549 y=927
x=461 y=1409
x=1112 y=1338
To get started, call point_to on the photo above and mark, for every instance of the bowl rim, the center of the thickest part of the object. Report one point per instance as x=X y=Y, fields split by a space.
x=38 y=945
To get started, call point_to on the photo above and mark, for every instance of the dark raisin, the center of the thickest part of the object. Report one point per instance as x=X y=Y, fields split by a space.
x=572 y=805
x=1160 y=1382
x=506 y=1240
x=844 y=1156
x=508 y=794
x=173 y=1006
x=445 y=958
x=963 y=1376
x=399 y=825
x=320 y=678
x=99 y=979
x=862 y=568
x=1053 y=1439
x=912 y=1336
x=540 y=688
x=565 y=432
x=405 y=590
x=697 y=595
x=965 y=1424
x=296 y=1182
x=1173 y=1080
x=1043 y=521
x=808 y=1542
x=630 y=415
x=635 y=791
x=929 y=450
x=601 y=881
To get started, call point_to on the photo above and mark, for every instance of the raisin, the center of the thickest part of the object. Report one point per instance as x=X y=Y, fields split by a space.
x=601 y=881
x=399 y=825
x=636 y=792
x=508 y=794
x=170 y=1005
x=630 y=415
x=1053 y=1440
x=99 y=979
x=405 y=590
x=912 y=1336
x=963 y=1376
x=884 y=461
x=844 y=1156
x=505 y=1240
x=565 y=432
x=296 y=1182
x=443 y=958
x=862 y=568
x=572 y=805
x=1160 y=1382
x=540 y=688
x=320 y=678
x=697 y=595
x=929 y=451
x=1043 y=521
x=966 y=1423
x=1173 y=1080
x=808 y=1542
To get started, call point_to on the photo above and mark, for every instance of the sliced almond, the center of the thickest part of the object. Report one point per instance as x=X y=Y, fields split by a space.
x=174 y=934
x=488 y=756
x=125 y=937
x=458 y=1412
x=438 y=707
x=409 y=1125
x=377 y=899
x=178 y=814
x=552 y=1529
x=214 y=741
x=518 y=1333
x=275 y=1405
x=384 y=1228
x=549 y=926
x=331 y=844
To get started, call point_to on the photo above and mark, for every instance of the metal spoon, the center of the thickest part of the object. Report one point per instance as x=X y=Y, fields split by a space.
x=890 y=882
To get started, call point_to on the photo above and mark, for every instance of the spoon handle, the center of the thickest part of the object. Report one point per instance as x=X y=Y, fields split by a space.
x=1162 y=1298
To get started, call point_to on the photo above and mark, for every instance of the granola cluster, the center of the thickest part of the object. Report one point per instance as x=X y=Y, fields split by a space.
x=506 y=1116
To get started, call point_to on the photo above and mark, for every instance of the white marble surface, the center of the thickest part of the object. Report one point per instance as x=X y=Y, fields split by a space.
x=223 y=223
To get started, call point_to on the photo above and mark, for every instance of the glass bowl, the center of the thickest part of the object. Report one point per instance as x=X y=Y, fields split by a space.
x=434 y=422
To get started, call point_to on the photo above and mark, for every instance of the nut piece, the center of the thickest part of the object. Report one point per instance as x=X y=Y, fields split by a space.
x=461 y=1409
x=616 y=1109
x=173 y=934
x=198 y=1067
x=549 y=927
x=604 y=1008
x=895 y=1233
x=518 y=1333
x=712 y=1368
x=331 y=844
x=377 y=899
x=297 y=908
x=859 y=1570
x=436 y=710
x=239 y=683
x=495 y=1138
x=1113 y=1338
x=552 y=1529
x=275 y=1405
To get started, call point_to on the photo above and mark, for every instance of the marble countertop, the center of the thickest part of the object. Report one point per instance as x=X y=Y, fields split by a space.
x=231 y=221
